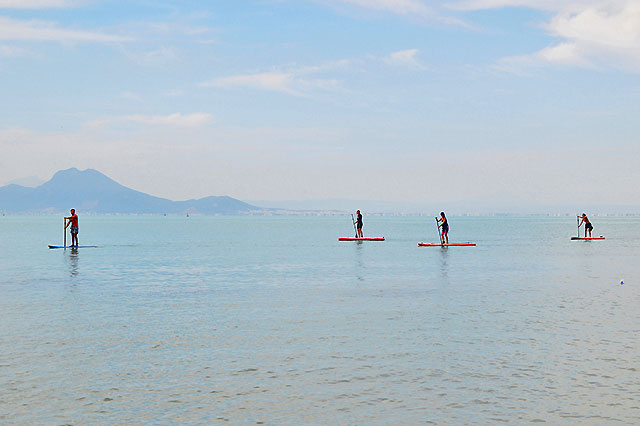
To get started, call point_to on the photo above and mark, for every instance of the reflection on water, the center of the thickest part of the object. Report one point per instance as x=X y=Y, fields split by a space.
x=444 y=262
x=358 y=260
x=73 y=259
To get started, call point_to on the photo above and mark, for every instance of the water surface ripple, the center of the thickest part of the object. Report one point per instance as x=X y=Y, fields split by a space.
x=270 y=320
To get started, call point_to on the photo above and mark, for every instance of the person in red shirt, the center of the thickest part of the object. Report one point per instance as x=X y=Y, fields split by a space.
x=73 y=221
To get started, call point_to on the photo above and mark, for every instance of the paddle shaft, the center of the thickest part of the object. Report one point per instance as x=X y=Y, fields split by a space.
x=578 y=224
x=438 y=231
x=64 y=228
x=354 y=225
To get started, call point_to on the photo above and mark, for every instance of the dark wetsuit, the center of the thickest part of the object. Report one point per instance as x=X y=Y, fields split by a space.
x=445 y=226
x=359 y=221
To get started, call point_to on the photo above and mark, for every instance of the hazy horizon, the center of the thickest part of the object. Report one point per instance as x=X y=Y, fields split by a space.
x=405 y=101
x=509 y=204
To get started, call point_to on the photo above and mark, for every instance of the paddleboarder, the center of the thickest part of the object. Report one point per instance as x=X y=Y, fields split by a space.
x=73 y=221
x=587 y=225
x=444 y=228
x=359 y=224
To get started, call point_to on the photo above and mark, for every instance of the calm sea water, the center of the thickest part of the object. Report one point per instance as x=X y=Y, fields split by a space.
x=270 y=320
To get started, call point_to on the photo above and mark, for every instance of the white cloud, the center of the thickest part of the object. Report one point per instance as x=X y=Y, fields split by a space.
x=565 y=54
x=311 y=79
x=406 y=59
x=273 y=81
x=11 y=29
x=590 y=33
x=198 y=119
x=162 y=54
x=495 y=4
x=399 y=7
x=36 y=4
x=291 y=83
x=414 y=9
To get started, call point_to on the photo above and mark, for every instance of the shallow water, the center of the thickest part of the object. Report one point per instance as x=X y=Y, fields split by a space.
x=270 y=320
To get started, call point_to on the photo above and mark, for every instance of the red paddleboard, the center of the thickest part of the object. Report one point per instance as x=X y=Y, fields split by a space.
x=361 y=239
x=447 y=245
x=588 y=238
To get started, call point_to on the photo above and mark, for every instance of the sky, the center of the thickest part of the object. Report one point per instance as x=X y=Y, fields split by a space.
x=398 y=100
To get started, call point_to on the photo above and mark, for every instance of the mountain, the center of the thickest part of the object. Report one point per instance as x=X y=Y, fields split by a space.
x=91 y=191
x=30 y=181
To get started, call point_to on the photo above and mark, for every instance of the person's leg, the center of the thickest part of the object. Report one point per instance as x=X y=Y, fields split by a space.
x=447 y=235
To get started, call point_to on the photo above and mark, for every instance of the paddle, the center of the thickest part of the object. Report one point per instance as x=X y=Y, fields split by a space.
x=65 y=233
x=578 y=223
x=438 y=231
x=354 y=225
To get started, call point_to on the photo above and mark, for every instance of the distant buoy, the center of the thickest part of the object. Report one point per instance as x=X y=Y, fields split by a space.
x=621 y=282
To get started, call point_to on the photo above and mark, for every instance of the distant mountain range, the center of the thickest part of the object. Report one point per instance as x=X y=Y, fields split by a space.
x=91 y=191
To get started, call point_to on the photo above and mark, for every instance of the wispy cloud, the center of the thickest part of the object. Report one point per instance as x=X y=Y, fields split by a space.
x=161 y=54
x=405 y=59
x=296 y=81
x=399 y=7
x=309 y=80
x=414 y=9
x=37 y=4
x=495 y=4
x=33 y=30
x=564 y=54
x=591 y=33
x=273 y=81
x=198 y=119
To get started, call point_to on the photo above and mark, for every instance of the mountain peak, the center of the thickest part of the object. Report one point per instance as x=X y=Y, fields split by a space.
x=73 y=171
x=91 y=191
x=74 y=178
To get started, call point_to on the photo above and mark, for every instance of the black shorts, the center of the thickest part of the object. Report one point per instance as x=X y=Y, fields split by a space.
x=588 y=226
x=359 y=225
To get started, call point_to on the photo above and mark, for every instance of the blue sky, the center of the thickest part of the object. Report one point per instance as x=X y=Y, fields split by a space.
x=401 y=100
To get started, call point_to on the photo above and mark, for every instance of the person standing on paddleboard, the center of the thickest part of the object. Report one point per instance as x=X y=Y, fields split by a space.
x=73 y=221
x=444 y=228
x=587 y=225
x=359 y=223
